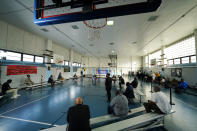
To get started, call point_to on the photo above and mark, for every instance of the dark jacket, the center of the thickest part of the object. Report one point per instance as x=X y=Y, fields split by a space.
x=134 y=83
x=108 y=83
x=129 y=92
x=50 y=80
x=78 y=118
x=5 y=87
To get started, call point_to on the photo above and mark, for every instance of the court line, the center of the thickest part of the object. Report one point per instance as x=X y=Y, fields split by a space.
x=25 y=104
x=30 y=121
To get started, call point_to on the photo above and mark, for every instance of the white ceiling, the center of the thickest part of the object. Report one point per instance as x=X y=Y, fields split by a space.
x=150 y=36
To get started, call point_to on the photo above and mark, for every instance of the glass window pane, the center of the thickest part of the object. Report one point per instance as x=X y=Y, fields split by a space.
x=51 y=60
x=182 y=48
x=2 y=54
x=185 y=60
x=39 y=59
x=156 y=55
x=13 y=56
x=177 y=61
x=170 y=62
x=193 y=59
x=28 y=58
x=66 y=63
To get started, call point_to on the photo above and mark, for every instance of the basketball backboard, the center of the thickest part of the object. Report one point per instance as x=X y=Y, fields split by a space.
x=48 y=12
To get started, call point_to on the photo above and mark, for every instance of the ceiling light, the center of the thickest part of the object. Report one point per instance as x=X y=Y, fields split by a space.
x=45 y=30
x=91 y=45
x=153 y=18
x=112 y=51
x=111 y=43
x=75 y=27
x=110 y=22
x=134 y=43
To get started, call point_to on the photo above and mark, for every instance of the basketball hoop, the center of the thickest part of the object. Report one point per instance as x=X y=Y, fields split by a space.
x=95 y=27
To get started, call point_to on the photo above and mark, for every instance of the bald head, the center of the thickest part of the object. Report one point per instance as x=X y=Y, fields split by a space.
x=78 y=101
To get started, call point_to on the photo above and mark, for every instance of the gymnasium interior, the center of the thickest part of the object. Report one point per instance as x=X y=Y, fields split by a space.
x=78 y=43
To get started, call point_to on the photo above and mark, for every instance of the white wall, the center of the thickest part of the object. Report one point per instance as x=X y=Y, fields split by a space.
x=18 y=80
x=15 y=39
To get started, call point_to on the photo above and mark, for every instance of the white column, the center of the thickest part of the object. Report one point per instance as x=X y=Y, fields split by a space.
x=162 y=55
x=71 y=61
x=195 y=34
x=148 y=60
x=48 y=48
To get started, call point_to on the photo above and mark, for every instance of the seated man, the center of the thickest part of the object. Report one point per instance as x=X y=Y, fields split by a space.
x=134 y=83
x=60 y=77
x=51 y=81
x=28 y=81
x=7 y=89
x=159 y=103
x=129 y=91
x=78 y=117
x=119 y=105
x=75 y=76
x=183 y=85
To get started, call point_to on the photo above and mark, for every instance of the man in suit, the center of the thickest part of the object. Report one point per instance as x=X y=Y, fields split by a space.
x=78 y=117
x=108 y=86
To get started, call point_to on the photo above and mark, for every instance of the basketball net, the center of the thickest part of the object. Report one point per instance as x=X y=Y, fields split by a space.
x=95 y=28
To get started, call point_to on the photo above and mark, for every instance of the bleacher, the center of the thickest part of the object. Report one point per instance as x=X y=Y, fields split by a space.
x=131 y=122
x=101 y=120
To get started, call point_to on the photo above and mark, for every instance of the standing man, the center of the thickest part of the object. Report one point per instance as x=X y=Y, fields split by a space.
x=78 y=117
x=108 y=85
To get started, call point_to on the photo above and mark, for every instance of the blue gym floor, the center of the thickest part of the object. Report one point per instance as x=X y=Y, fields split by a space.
x=40 y=108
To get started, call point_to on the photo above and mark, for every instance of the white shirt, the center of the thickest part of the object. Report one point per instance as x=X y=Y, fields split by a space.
x=161 y=101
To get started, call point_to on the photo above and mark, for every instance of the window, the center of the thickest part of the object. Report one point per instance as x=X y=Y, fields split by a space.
x=185 y=60
x=2 y=54
x=79 y=65
x=156 y=55
x=170 y=62
x=39 y=59
x=51 y=60
x=13 y=56
x=182 y=48
x=193 y=59
x=177 y=61
x=28 y=58
x=66 y=63
x=146 y=61
x=74 y=64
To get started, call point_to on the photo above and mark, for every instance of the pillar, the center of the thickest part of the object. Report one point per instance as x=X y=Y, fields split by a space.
x=71 y=62
x=195 y=35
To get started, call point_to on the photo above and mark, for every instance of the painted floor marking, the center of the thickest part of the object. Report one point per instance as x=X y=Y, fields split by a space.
x=19 y=119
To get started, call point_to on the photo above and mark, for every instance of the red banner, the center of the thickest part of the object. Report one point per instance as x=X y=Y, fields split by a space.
x=21 y=69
